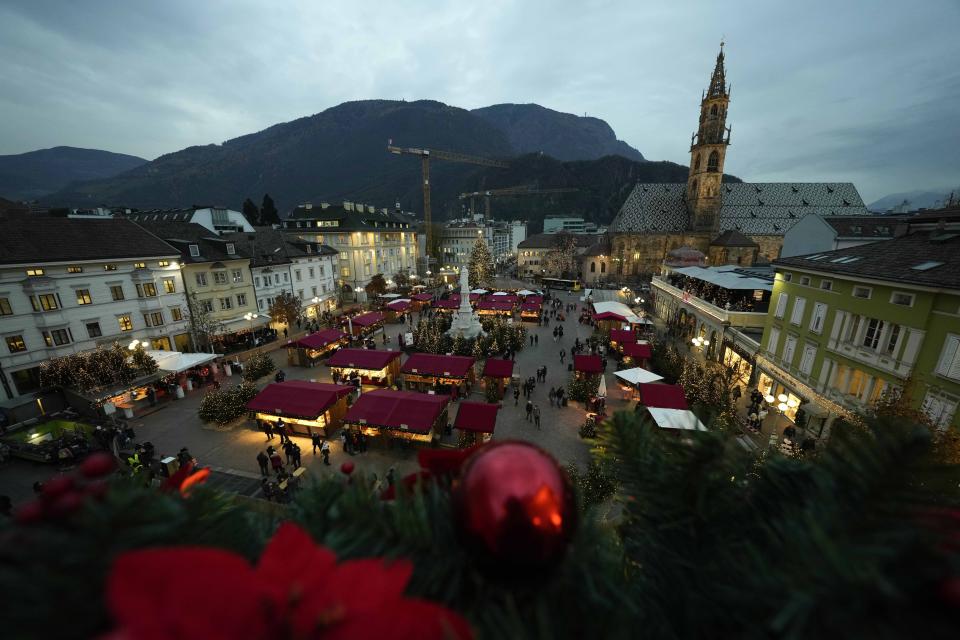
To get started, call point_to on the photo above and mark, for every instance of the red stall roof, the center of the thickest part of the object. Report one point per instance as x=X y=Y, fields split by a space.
x=368 y=319
x=665 y=396
x=430 y=364
x=498 y=368
x=623 y=336
x=402 y=410
x=477 y=416
x=507 y=298
x=534 y=298
x=422 y=297
x=637 y=350
x=399 y=305
x=531 y=306
x=609 y=315
x=298 y=398
x=447 y=304
x=491 y=305
x=474 y=297
x=588 y=364
x=370 y=359
x=320 y=338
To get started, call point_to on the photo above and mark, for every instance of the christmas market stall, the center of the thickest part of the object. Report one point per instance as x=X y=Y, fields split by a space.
x=498 y=373
x=588 y=385
x=584 y=365
x=397 y=310
x=495 y=308
x=630 y=378
x=439 y=373
x=181 y=372
x=310 y=350
x=620 y=337
x=400 y=415
x=678 y=420
x=530 y=311
x=663 y=396
x=305 y=407
x=475 y=422
x=365 y=366
x=616 y=315
x=364 y=324
x=420 y=301
x=638 y=353
x=447 y=305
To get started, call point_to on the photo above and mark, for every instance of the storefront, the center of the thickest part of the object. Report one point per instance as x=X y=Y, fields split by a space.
x=305 y=407
x=442 y=374
x=498 y=373
x=386 y=415
x=778 y=397
x=365 y=366
x=475 y=423
x=310 y=350
x=740 y=364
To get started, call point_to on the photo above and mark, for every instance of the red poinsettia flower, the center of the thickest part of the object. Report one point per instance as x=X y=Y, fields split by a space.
x=297 y=590
x=184 y=479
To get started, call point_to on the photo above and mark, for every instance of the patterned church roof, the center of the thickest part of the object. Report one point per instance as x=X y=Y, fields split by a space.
x=753 y=208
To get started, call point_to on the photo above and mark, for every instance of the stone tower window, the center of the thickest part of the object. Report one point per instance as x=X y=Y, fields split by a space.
x=713 y=110
x=696 y=164
x=713 y=163
x=593 y=267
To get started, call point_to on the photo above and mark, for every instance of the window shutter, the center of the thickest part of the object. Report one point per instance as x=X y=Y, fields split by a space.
x=798 y=306
x=774 y=339
x=789 y=348
x=781 y=305
x=816 y=319
x=950 y=360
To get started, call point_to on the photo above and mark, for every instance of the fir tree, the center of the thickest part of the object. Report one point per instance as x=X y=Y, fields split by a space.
x=268 y=211
x=480 y=265
x=251 y=212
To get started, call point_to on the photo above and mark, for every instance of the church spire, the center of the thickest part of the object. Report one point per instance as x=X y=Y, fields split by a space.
x=718 y=81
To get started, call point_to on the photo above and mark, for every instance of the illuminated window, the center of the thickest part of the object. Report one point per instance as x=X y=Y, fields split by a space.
x=36 y=271
x=44 y=302
x=125 y=322
x=163 y=263
x=83 y=296
x=109 y=267
x=176 y=314
x=75 y=269
x=16 y=344
x=169 y=285
x=139 y=265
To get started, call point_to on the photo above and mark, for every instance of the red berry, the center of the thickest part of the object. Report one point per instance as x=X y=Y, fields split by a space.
x=346 y=468
x=56 y=487
x=98 y=465
x=97 y=489
x=66 y=504
x=29 y=513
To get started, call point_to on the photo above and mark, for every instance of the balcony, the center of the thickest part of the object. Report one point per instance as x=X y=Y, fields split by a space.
x=726 y=316
x=871 y=358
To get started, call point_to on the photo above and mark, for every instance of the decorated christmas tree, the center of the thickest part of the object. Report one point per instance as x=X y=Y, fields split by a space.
x=481 y=265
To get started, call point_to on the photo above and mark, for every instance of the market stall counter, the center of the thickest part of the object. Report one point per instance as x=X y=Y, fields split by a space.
x=310 y=350
x=587 y=365
x=495 y=308
x=364 y=324
x=367 y=366
x=475 y=422
x=620 y=337
x=440 y=373
x=305 y=407
x=399 y=415
x=499 y=373
x=531 y=311
x=447 y=305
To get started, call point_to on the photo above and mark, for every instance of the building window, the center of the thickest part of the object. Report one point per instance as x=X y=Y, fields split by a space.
x=206 y=305
x=116 y=292
x=44 y=302
x=146 y=290
x=5 y=308
x=872 y=335
x=75 y=269
x=345 y=272
x=313 y=290
x=36 y=271
x=593 y=267
x=297 y=275
x=163 y=263
x=805 y=281
x=56 y=337
x=201 y=279
x=603 y=267
x=226 y=303
x=231 y=249
x=893 y=340
x=169 y=285
x=154 y=319
x=826 y=285
x=939 y=409
x=781 y=305
x=125 y=322
x=713 y=162
x=237 y=275
x=902 y=299
x=798 y=306
x=773 y=341
x=139 y=265
x=241 y=299
x=949 y=365
x=321 y=271
x=15 y=344
x=176 y=314
x=817 y=318
x=93 y=330
x=83 y=296
x=260 y=303
x=787 y=277
x=806 y=361
x=256 y=281
x=195 y=251
x=311 y=271
x=789 y=347
x=286 y=276
x=862 y=292
x=220 y=277
x=110 y=267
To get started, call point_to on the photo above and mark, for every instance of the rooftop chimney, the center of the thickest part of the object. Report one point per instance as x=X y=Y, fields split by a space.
x=308 y=206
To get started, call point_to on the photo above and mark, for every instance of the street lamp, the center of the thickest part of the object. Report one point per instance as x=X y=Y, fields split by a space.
x=133 y=345
x=700 y=342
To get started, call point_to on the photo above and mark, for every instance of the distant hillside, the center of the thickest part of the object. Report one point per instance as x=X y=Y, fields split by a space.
x=919 y=199
x=531 y=128
x=33 y=175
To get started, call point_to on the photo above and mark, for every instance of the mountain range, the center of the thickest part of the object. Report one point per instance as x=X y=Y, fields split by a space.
x=35 y=174
x=918 y=199
x=340 y=154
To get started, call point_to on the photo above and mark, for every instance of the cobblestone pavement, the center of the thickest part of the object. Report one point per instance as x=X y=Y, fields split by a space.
x=232 y=451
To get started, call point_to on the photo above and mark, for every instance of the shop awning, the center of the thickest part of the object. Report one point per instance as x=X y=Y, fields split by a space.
x=490 y=305
x=665 y=396
x=429 y=364
x=479 y=291
x=446 y=304
x=389 y=296
x=620 y=312
x=242 y=324
x=501 y=293
x=588 y=364
x=531 y=306
x=369 y=359
x=498 y=368
x=403 y=410
x=399 y=305
x=676 y=419
x=638 y=375
x=422 y=297
x=477 y=416
x=526 y=292
x=298 y=398
x=534 y=298
x=622 y=336
x=637 y=350
x=175 y=362
x=368 y=319
x=321 y=339
x=609 y=315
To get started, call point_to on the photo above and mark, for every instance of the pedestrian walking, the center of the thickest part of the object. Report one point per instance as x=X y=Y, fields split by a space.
x=536 y=415
x=276 y=462
x=268 y=430
x=281 y=429
x=391 y=477
x=516 y=395
x=531 y=339
x=563 y=354
x=345 y=441
x=288 y=451
x=529 y=410
x=316 y=441
x=544 y=373
x=551 y=395
x=263 y=461
x=296 y=456
x=325 y=452
x=536 y=340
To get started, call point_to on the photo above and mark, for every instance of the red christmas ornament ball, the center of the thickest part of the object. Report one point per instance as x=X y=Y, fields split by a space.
x=346 y=468
x=98 y=465
x=30 y=513
x=515 y=507
x=56 y=487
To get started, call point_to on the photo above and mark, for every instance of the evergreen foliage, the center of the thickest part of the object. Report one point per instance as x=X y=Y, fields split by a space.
x=286 y=308
x=251 y=212
x=583 y=387
x=268 y=212
x=203 y=326
x=480 y=267
x=376 y=286
x=561 y=260
x=226 y=404
x=100 y=368
x=259 y=365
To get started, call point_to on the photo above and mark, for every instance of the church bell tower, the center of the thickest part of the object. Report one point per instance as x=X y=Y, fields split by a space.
x=708 y=146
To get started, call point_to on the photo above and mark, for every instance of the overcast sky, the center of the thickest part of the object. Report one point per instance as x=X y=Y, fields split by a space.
x=841 y=90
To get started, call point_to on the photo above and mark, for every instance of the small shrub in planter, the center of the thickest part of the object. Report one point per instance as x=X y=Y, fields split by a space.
x=224 y=405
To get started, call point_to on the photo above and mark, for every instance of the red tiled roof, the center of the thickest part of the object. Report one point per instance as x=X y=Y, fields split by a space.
x=371 y=359
x=399 y=305
x=430 y=364
x=320 y=338
x=635 y=350
x=588 y=364
x=298 y=398
x=667 y=396
x=609 y=315
x=401 y=410
x=477 y=416
x=422 y=297
x=368 y=319
x=490 y=305
x=623 y=336
x=498 y=368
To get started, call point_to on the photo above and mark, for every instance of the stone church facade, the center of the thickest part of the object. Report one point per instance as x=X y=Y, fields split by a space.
x=730 y=223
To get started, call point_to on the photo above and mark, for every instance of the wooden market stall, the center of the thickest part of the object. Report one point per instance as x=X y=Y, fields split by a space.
x=531 y=311
x=475 y=422
x=433 y=372
x=447 y=305
x=305 y=407
x=397 y=310
x=310 y=350
x=499 y=373
x=364 y=324
x=633 y=377
x=495 y=308
x=584 y=365
x=403 y=415
x=638 y=353
x=664 y=396
x=620 y=337
x=420 y=301
x=371 y=366
x=503 y=296
x=675 y=420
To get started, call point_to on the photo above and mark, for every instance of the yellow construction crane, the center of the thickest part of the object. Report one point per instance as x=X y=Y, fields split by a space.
x=522 y=190
x=448 y=156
